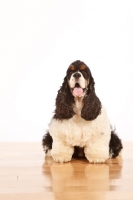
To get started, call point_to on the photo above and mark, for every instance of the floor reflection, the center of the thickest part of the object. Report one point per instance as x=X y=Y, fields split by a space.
x=78 y=178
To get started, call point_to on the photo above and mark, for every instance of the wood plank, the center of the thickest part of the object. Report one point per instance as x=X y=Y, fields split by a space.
x=25 y=173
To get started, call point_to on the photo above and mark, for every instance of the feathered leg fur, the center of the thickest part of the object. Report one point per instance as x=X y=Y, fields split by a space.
x=115 y=146
x=47 y=142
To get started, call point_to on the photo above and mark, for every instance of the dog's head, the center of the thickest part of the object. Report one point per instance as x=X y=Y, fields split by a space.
x=78 y=83
x=79 y=79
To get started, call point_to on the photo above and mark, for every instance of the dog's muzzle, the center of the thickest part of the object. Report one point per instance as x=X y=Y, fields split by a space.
x=76 y=75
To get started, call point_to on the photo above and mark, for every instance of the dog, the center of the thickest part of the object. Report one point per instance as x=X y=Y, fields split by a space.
x=80 y=126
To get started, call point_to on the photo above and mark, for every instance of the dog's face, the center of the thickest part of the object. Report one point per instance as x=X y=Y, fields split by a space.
x=78 y=76
x=80 y=84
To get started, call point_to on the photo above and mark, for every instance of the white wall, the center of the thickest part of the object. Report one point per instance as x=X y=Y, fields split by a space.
x=38 y=41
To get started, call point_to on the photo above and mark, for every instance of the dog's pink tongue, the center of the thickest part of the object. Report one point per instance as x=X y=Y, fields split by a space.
x=78 y=91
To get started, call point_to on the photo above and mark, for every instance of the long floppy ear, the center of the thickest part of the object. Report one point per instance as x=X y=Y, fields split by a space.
x=64 y=102
x=92 y=105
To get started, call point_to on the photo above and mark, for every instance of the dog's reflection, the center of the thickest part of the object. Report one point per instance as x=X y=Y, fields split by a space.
x=79 y=179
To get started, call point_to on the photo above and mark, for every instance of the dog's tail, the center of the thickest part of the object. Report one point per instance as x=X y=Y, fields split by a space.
x=47 y=142
x=115 y=145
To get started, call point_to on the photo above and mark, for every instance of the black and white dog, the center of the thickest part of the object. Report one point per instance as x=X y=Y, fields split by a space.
x=80 y=125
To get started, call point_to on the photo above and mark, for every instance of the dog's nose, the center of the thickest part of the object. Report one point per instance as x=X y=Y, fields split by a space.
x=77 y=75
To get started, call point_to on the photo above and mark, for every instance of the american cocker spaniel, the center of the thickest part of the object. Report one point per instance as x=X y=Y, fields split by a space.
x=80 y=126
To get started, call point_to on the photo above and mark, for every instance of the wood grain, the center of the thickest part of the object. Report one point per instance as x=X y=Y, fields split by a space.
x=25 y=173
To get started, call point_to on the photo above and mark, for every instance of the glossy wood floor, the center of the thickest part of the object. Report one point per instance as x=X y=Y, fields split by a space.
x=25 y=174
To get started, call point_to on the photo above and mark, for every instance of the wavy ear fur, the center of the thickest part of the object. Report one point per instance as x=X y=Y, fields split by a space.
x=64 y=101
x=92 y=105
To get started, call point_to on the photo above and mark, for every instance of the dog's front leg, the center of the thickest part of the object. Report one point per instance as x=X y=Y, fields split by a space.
x=97 y=152
x=61 y=152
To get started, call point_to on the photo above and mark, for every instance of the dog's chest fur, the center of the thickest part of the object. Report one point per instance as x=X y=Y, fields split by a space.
x=77 y=107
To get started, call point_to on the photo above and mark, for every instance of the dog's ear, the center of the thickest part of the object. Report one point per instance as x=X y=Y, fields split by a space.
x=64 y=102
x=92 y=105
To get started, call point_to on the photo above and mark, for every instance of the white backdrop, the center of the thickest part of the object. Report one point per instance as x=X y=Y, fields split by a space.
x=38 y=41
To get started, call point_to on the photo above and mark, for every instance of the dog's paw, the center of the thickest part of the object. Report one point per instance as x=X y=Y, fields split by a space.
x=61 y=159
x=96 y=160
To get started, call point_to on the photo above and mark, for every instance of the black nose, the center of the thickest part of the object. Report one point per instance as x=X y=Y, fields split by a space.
x=77 y=75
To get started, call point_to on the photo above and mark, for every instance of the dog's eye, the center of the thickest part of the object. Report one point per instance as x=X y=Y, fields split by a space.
x=70 y=73
x=84 y=73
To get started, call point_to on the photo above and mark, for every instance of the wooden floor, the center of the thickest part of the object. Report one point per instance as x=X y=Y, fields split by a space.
x=25 y=174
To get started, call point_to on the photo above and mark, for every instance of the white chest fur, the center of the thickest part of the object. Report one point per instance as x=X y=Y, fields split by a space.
x=78 y=106
x=78 y=132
